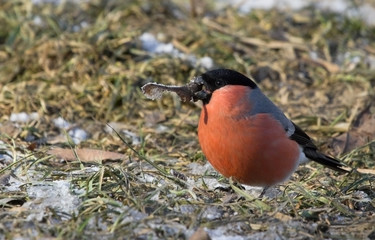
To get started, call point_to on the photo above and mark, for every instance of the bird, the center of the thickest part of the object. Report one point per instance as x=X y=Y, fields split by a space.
x=246 y=137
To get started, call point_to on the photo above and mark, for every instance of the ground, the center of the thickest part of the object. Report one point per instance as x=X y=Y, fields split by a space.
x=84 y=154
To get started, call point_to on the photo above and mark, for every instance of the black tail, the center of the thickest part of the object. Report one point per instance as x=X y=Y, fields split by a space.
x=325 y=160
x=312 y=153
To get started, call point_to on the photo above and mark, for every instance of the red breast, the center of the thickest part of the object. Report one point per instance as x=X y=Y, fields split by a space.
x=252 y=149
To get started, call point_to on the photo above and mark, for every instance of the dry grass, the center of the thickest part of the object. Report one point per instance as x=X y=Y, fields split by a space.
x=84 y=62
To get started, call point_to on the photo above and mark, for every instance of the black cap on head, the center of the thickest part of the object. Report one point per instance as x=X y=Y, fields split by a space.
x=218 y=78
x=215 y=79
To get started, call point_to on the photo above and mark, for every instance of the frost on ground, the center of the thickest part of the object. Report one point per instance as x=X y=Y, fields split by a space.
x=57 y=195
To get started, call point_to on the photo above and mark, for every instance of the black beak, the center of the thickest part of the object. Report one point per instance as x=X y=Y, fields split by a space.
x=203 y=94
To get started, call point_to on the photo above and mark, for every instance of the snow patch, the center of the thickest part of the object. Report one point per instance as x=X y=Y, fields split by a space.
x=78 y=135
x=152 y=45
x=61 y=123
x=56 y=195
x=23 y=117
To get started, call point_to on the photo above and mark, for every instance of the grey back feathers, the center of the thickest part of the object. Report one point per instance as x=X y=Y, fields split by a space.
x=262 y=104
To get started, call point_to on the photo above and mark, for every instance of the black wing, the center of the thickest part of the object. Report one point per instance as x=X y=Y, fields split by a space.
x=311 y=151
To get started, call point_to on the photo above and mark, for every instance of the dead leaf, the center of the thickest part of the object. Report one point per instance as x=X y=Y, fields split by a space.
x=85 y=155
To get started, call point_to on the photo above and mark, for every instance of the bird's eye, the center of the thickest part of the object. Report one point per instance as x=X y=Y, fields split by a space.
x=219 y=83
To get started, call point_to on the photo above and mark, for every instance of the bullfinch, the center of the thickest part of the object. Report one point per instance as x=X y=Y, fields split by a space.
x=244 y=135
